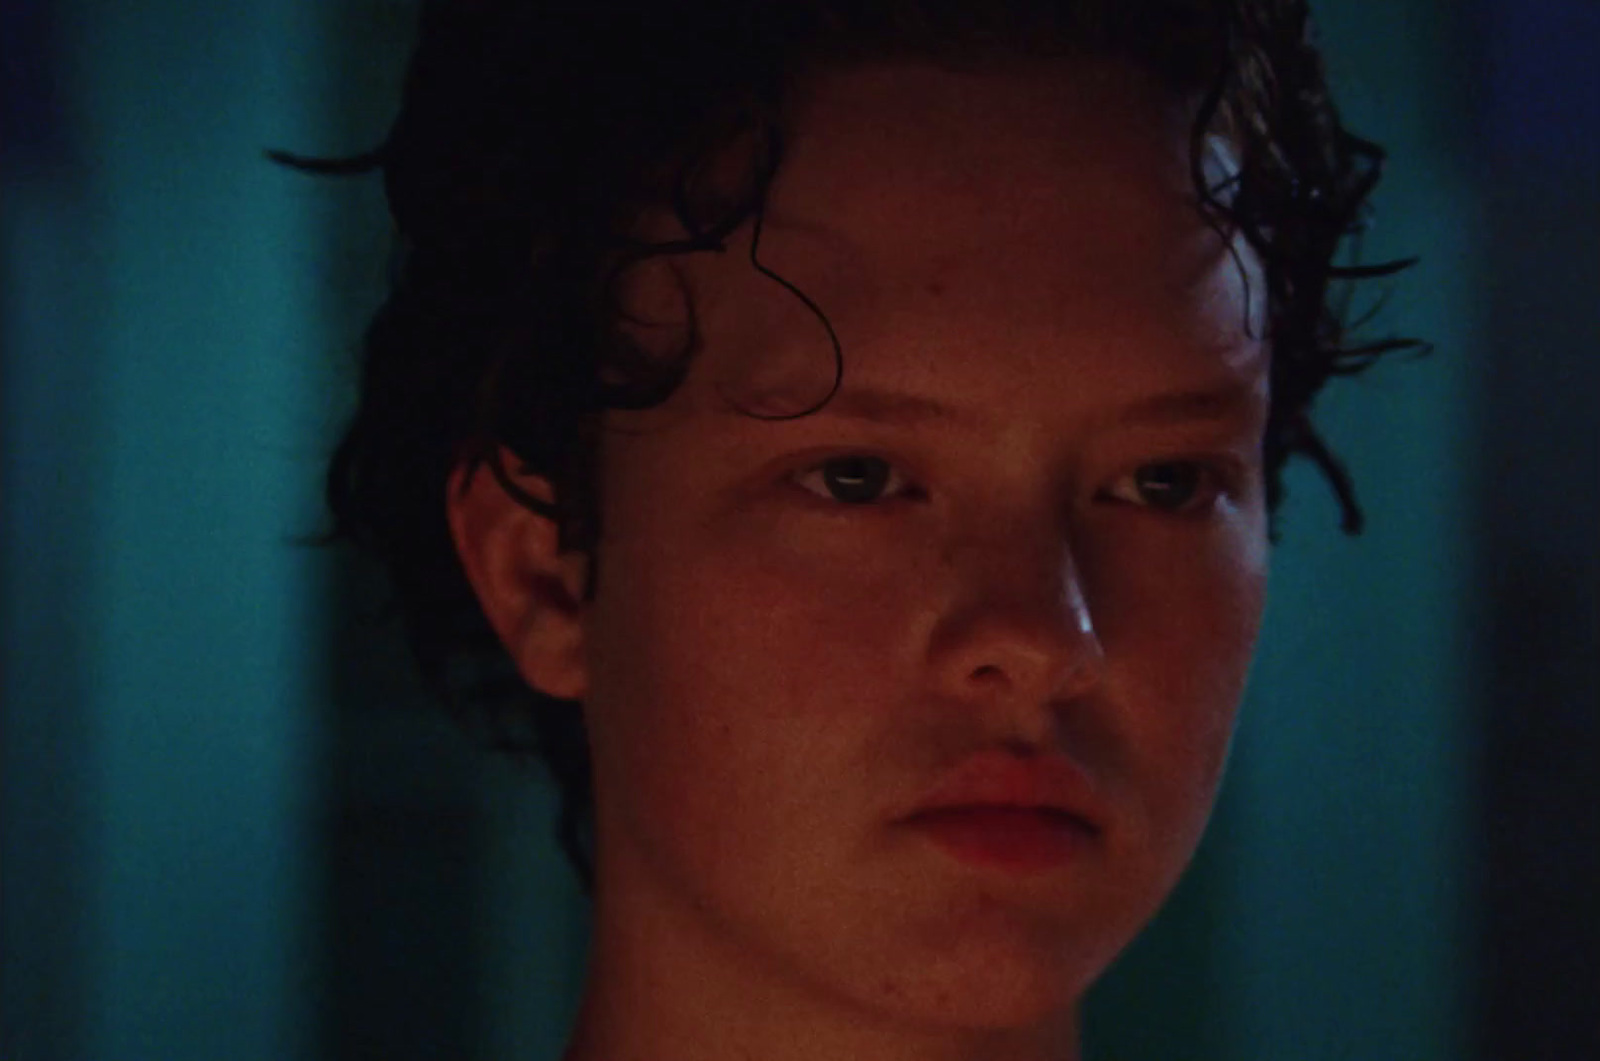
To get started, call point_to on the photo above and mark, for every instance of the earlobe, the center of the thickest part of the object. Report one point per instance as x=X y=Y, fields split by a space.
x=531 y=595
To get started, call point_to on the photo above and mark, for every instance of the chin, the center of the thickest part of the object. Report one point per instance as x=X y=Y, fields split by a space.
x=990 y=972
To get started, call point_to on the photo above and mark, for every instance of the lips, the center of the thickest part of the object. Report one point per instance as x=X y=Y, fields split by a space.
x=1001 y=780
x=1007 y=838
x=1000 y=811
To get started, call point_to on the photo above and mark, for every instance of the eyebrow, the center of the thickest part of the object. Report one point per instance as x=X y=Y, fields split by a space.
x=1216 y=404
x=1211 y=404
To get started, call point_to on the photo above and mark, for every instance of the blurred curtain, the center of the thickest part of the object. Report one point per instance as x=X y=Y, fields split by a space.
x=165 y=402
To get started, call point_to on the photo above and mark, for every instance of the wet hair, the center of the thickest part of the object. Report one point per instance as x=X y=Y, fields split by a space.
x=530 y=139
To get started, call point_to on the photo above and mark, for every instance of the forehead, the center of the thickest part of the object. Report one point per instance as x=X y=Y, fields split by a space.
x=1035 y=213
x=916 y=149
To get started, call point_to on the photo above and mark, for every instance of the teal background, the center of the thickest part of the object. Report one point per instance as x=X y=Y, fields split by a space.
x=232 y=828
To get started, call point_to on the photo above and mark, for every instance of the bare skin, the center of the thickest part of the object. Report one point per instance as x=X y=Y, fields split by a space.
x=779 y=665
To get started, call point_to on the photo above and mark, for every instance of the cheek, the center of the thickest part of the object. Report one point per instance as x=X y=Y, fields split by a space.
x=1182 y=634
x=718 y=671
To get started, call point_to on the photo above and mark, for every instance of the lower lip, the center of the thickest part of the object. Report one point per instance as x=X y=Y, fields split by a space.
x=1014 y=839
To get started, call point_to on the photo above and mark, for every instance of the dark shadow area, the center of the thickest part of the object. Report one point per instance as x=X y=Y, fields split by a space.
x=1539 y=507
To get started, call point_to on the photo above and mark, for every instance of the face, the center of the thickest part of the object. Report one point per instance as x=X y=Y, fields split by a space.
x=1031 y=520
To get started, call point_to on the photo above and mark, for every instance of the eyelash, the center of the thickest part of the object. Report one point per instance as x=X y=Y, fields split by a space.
x=1220 y=479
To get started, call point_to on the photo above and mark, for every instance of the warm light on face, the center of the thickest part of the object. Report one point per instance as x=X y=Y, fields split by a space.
x=1031 y=518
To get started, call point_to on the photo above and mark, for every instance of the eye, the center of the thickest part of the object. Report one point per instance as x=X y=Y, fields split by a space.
x=1175 y=487
x=851 y=479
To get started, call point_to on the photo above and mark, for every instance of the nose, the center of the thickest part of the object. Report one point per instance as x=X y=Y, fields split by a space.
x=1019 y=626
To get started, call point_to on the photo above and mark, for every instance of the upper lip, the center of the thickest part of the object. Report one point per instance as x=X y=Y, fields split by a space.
x=1001 y=779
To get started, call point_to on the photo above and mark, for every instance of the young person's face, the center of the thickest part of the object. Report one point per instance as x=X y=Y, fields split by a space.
x=775 y=678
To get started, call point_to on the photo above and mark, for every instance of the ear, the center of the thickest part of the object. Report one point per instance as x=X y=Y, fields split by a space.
x=532 y=597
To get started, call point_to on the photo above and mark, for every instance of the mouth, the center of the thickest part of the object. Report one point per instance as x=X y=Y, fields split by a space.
x=1020 y=840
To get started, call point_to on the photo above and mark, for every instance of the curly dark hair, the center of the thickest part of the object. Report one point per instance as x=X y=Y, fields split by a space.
x=531 y=137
